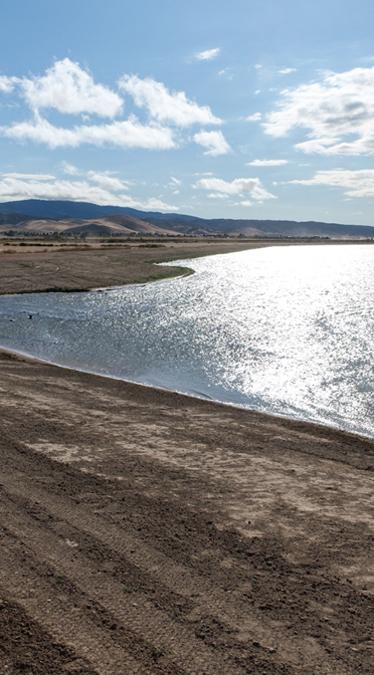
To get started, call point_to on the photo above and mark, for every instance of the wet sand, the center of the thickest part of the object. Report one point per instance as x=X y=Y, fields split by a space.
x=147 y=532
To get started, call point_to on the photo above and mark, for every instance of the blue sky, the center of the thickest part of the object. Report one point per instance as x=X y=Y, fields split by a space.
x=245 y=109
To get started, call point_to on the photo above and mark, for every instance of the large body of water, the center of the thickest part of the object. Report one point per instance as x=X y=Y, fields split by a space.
x=285 y=330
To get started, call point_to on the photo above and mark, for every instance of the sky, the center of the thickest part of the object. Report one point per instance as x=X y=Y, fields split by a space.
x=241 y=109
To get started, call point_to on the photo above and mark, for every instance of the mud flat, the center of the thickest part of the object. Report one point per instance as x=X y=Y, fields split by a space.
x=147 y=532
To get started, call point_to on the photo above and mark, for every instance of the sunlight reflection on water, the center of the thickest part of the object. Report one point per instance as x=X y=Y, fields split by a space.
x=284 y=330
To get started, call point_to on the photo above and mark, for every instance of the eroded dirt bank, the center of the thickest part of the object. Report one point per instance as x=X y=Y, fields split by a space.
x=146 y=532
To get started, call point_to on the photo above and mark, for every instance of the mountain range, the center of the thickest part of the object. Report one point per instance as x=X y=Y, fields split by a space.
x=79 y=218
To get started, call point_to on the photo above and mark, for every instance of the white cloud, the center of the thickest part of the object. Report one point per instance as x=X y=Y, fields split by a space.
x=107 y=180
x=268 y=162
x=39 y=186
x=164 y=105
x=217 y=195
x=24 y=187
x=207 y=54
x=69 y=169
x=123 y=134
x=257 y=92
x=258 y=66
x=68 y=88
x=214 y=142
x=7 y=84
x=359 y=183
x=239 y=186
x=28 y=176
x=255 y=117
x=245 y=202
x=287 y=71
x=337 y=113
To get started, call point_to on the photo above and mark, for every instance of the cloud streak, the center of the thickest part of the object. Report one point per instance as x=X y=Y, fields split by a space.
x=356 y=184
x=267 y=162
x=208 y=54
x=121 y=134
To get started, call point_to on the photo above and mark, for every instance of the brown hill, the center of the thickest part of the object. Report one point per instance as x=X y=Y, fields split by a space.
x=111 y=225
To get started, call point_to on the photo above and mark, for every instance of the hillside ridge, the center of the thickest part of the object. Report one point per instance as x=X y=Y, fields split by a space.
x=72 y=217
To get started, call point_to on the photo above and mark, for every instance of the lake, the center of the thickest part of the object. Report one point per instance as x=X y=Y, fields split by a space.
x=284 y=330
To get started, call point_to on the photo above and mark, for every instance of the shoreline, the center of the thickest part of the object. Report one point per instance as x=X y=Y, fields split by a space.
x=147 y=531
x=184 y=272
x=77 y=270
x=29 y=358
x=85 y=270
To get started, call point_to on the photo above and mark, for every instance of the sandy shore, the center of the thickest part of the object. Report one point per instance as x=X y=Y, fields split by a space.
x=147 y=532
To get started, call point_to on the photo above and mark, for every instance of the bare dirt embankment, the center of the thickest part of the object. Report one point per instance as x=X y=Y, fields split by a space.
x=147 y=532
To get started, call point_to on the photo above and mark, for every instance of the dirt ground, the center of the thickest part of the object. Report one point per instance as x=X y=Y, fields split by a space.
x=147 y=532
x=29 y=268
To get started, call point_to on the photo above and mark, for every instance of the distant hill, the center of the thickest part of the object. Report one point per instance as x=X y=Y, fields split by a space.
x=34 y=215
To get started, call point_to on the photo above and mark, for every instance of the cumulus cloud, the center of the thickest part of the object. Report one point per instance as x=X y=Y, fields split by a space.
x=268 y=162
x=207 y=54
x=214 y=142
x=287 y=71
x=70 y=89
x=359 y=183
x=128 y=133
x=164 y=105
x=337 y=113
x=251 y=187
x=15 y=186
